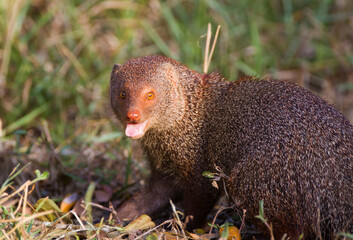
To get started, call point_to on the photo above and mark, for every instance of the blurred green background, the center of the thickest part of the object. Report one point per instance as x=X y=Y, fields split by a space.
x=56 y=56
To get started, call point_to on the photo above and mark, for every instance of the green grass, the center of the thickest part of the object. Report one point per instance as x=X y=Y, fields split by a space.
x=56 y=58
x=59 y=54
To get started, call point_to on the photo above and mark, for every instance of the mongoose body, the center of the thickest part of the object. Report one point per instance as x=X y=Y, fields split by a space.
x=275 y=141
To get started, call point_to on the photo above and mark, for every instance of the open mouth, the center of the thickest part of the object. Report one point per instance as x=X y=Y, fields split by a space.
x=135 y=130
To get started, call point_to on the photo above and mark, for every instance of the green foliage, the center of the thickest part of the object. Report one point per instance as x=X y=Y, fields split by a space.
x=225 y=232
x=13 y=174
x=40 y=176
x=208 y=174
x=56 y=57
x=346 y=235
x=88 y=200
x=261 y=215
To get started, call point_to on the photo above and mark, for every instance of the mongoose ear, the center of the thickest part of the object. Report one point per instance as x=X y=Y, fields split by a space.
x=115 y=70
x=169 y=71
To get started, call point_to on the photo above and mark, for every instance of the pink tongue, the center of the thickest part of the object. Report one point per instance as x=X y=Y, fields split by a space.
x=135 y=130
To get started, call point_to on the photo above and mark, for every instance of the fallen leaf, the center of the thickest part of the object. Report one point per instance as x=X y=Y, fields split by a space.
x=142 y=222
x=233 y=233
x=194 y=236
x=153 y=236
x=214 y=184
x=78 y=208
x=199 y=231
x=102 y=195
x=68 y=202
x=46 y=204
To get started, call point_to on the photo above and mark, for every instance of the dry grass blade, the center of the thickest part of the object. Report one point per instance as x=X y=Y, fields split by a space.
x=24 y=200
x=215 y=217
x=207 y=48
x=105 y=5
x=10 y=34
x=78 y=219
x=5 y=199
x=178 y=219
x=208 y=53
x=22 y=221
x=5 y=234
x=56 y=57
x=25 y=93
x=154 y=228
x=0 y=123
x=67 y=64
x=213 y=45
x=73 y=60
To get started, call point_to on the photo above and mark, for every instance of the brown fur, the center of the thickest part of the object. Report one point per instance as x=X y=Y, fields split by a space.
x=276 y=141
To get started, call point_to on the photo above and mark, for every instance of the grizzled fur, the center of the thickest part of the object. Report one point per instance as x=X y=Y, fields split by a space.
x=276 y=141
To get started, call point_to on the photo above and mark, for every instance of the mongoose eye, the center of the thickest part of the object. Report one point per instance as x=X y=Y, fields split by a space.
x=123 y=94
x=150 y=96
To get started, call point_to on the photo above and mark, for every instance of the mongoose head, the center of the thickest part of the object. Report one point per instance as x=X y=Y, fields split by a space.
x=145 y=94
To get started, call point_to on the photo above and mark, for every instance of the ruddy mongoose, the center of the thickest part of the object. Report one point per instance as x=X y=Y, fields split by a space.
x=276 y=141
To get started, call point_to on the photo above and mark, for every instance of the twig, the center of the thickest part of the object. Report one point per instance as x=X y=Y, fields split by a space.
x=243 y=220
x=78 y=219
x=69 y=233
x=215 y=217
x=178 y=219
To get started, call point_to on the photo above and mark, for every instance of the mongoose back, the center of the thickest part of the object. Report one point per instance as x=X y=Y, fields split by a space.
x=276 y=141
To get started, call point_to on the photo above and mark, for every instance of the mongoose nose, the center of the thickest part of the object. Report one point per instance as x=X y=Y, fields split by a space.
x=133 y=115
